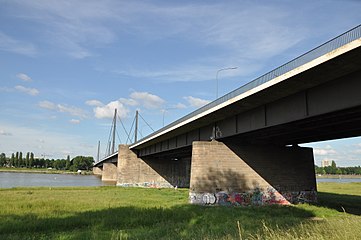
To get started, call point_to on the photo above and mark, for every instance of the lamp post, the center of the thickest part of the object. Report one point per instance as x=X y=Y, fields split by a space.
x=164 y=110
x=222 y=69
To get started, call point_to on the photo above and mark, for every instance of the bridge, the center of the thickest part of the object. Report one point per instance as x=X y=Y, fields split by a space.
x=242 y=149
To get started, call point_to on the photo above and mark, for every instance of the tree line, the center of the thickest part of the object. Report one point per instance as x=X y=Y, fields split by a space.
x=17 y=160
x=333 y=169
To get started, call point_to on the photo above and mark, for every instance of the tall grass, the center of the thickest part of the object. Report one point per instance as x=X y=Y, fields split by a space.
x=136 y=213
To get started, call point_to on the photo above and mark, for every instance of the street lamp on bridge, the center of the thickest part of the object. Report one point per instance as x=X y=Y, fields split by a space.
x=165 y=110
x=222 y=69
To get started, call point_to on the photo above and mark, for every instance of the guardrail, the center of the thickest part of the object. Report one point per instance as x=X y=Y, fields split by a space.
x=327 y=47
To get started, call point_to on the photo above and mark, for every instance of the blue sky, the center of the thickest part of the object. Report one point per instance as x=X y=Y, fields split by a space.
x=65 y=65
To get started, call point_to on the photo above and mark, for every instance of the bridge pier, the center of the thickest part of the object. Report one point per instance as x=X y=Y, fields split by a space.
x=97 y=170
x=149 y=172
x=227 y=174
x=109 y=172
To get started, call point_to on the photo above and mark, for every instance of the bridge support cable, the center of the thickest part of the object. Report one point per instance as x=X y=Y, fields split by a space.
x=131 y=129
x=98 y=157
x=110 y=149
x=136 y=126
x=114 y=129
x=125 y=130
x=146 y=123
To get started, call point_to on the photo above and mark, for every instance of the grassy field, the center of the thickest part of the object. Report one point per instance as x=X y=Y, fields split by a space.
x=135 y=213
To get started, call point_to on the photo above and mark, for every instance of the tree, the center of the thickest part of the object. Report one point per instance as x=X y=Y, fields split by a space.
x=20 y=161
x=82 y=163
x=12 y=160
x=333 y=164
x=31 y=161
x=68 y=163
x=27 y=159
x=2 y=160
x=16 y=162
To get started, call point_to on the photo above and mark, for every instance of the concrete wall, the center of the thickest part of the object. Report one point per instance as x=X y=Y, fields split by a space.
x=97 y=171
x=134 y=171
x=226 y=174
x=109 y=172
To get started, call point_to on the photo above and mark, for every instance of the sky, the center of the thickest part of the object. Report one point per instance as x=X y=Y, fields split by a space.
x=65 y=65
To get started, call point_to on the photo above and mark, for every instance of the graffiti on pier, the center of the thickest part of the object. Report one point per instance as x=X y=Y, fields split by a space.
x=146 y=185
x=257 y=197
x=209 y=198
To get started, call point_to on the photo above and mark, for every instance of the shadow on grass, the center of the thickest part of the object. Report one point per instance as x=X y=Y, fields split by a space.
x=340 y=202
x=180 y=222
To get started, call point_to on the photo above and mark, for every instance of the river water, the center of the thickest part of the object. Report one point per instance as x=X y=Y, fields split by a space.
x=338 y=180
x=11 y=179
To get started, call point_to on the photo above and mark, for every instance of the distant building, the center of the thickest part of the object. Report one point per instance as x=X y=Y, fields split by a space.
x=325 y=163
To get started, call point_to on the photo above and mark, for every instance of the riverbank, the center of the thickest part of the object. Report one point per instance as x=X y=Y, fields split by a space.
x=43 y=171
x=139 y=213
x=338 y=176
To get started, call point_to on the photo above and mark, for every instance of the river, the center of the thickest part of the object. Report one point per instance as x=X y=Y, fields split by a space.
x=11 y=179
x=338 y=180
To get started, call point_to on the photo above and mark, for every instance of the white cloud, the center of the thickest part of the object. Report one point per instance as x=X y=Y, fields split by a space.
x=148 y=100
x=141 y=99
x=74 y=111
x=74 y=121
x=324 y=151
x=196 y=102
x=5 y=133
x=129 y=102
x=10 y=44
x=30 y=91
x=107 y=111
x=47 y=105
x=24 y=77
x=179 y=106
x=94 y=102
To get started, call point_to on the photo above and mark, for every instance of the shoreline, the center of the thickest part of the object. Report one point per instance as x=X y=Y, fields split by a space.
x=43 y=171
x=337 y=176
x=49 y=171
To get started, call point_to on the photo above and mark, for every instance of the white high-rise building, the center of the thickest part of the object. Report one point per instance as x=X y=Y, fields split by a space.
x=325 y=163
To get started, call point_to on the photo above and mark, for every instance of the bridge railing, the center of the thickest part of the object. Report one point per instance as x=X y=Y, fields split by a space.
x=323 y=49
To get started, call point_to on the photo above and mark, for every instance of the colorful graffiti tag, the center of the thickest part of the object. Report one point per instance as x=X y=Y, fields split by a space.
x=146 y=185
x=256 y=197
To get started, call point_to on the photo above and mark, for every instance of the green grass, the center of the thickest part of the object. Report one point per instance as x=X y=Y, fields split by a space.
x=137 y=213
